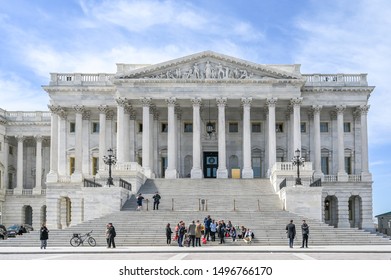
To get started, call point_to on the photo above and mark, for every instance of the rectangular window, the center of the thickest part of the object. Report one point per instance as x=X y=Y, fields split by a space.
x=72 y=127
x=95 y=127
x=188 y=127
x=95 y=165
x=10 y=150
x=324 y=127
x=348 y=165
x=140 y=127
x=164 y=127
x=1 y=145
x=256 y=127
x=303 y=127
x=233 y=127
x=325 y=165
x=69 y=78
x=71 y=165
x=346 y=127
x=1 y=180
x=279 y=127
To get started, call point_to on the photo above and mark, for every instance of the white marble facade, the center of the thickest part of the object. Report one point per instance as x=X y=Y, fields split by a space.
x=157 y=116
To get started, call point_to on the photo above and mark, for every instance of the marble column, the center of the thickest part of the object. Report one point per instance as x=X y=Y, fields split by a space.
x=6 y=153
x=132 y=135
x=77 y=177
x=171 y=171
x=52 y=176
x=121 y=104
x=247 y=171
x=146 y=103
x=317 y=147
x=127 y=112
x=365 y=174
x=38 y=165
x=103 y=109
x=296 y=102
x=86 y=160
x=222 y=171
x=196 y=171
x=342 y=175
x=20 y=171
x=272 y=145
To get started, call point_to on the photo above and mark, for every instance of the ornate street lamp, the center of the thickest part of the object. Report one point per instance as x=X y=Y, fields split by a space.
x=209 y=125
x=298 y=161
x=110 y=160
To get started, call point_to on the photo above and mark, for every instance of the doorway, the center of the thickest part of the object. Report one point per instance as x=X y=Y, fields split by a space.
x=211 y=163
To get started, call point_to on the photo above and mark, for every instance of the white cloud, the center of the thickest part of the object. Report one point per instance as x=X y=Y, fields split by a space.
x=352 y=39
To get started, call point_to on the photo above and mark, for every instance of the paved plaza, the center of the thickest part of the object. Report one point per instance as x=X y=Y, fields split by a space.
x=206 y=253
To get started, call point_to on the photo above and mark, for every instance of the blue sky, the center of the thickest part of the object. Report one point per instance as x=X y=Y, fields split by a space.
x=38 y=37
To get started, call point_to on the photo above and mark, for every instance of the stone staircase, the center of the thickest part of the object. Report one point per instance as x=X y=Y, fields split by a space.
x=250 y=203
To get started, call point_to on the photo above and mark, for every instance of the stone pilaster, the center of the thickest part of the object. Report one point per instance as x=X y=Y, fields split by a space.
x=86 y=161
x=52 y=176
x=247 y=171
x=127 y=112
x=343 y=211
x=365 y=174
x=62 y=143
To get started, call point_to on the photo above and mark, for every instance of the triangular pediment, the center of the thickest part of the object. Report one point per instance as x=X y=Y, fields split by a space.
x=209 y=65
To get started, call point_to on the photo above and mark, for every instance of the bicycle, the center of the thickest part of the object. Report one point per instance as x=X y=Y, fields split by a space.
x=79 y=239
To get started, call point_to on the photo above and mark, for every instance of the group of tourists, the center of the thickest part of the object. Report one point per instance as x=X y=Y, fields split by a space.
x=198 y=233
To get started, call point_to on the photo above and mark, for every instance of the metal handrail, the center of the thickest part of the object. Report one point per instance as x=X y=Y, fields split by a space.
x=124 y=184
x=91 y=184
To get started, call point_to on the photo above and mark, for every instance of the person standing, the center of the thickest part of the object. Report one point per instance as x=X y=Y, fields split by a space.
x=44 y=236
x=168 y=234
x=198 y=233
x=139 y=202
x=221 y=231
x=156 y=201
x=291 y=232
x=107 y=235
x=305 y=230
x=112 y=235
x=192 y=233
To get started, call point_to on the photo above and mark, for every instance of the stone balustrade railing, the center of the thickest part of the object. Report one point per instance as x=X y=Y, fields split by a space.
x=80 y=79
x=37 y=116
x=288 y=166
x=336 y=79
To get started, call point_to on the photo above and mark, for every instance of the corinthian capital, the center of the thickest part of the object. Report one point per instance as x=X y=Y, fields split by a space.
x=196 y=101
x=121 y=101
x=103 y=109
x=340 y=109
x=316 y=109
x=221 y=101
x=363 y=109
x=246 y=101
x=296 y=101
x=79 y=109
x=171 y=102
x=271 y=102
x=146 y=101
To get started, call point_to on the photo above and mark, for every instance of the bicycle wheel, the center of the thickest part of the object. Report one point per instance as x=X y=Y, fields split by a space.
x=91 y=242
x=75 y=241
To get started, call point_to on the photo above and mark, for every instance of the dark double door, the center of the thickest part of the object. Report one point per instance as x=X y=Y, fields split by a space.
x=211 y=163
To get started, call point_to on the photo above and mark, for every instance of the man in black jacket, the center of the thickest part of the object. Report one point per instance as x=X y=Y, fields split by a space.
x=305 y=230
x=291 y=232
x=156 y=201
x=112 y=234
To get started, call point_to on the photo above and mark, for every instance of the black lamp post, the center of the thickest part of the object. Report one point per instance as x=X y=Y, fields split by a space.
x=110 y=160
x=298 y=161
